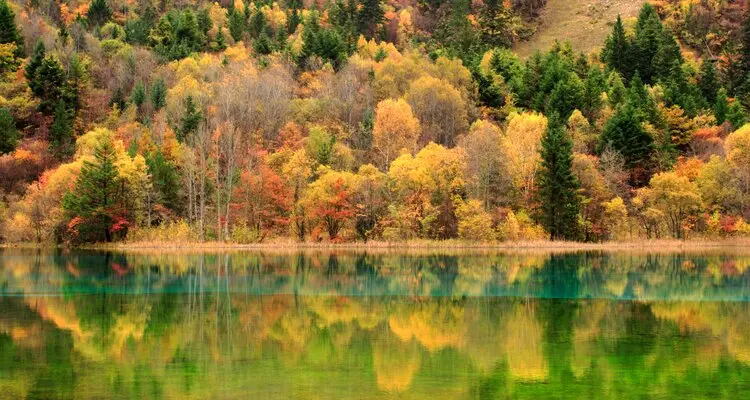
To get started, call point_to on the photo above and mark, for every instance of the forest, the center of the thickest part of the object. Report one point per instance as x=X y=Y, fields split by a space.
x=357 y=120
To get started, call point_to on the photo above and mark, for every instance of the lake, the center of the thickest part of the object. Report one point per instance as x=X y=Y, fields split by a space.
x=376 y=325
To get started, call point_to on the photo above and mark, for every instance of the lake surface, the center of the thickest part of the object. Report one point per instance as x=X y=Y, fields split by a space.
x=348 y=325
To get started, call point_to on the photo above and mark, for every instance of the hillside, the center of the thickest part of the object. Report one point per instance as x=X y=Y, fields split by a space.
x=585 y=23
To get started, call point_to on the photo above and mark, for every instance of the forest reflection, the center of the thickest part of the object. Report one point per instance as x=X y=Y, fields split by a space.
x=355 y=325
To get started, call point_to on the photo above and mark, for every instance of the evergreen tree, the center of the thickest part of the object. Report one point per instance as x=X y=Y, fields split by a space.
x=99 y=12
x=158 y=95
x=138 y=97
x=8 y=30
x=257 y=24
x=557 y=186
x=567 y=96
x=493 y=21
x=625 y=134
x=639 y=98
x=191 y=120
x=293 y=20
x=707 y=82
x=8 y=132
x=204 y=22
x=737 y=114
x=237 y=25
x=96 y=199
x=667 y=56
x=616 y=52
x=595 y=85
x=617 y=92
x=48 y=83
x=745 y=46
x=679 y=91
x=369 y=17
x=35 y=62
x=61 y=135
x=165 y=179
x=721 y=108
x=648 y=34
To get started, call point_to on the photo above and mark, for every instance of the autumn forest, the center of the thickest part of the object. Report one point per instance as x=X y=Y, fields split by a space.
x=368 y=120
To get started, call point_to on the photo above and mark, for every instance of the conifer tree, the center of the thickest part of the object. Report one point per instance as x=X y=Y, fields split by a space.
x=745 y=49
x=721 y=107
x=96 y=199
x=557 y=186
x=165 y=179
x=35 y=61
x=707 y=81
x=668 y=54
x=8 y=30
x=237 y=25
x=369 y=17
x=648 y=34
x=8 y=132
x=48 y=83
x=625 y=134
x=158 y=95
x=61 y=135
x=493 y=21
x=190 y=121
x=99 y=12
x=616 y=52
x=595 y=85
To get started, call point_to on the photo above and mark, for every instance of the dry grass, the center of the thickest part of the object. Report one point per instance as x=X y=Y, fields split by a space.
x=452 y=246
x=584 y=23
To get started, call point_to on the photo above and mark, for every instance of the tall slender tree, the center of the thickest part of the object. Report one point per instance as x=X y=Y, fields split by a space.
x=8 y=30
x=557 y=186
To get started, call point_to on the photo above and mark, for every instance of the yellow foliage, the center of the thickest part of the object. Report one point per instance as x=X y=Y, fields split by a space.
x=395 y=129
x=521 y=145
x=474 y=223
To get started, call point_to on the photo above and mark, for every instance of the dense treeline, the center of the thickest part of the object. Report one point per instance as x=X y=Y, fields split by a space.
x=360 y=120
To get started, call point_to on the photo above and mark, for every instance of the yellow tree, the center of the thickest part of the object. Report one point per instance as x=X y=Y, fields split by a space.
x=521 y=146
x=737 y=148
x=330 y=200
x=487 y=179
x=440 y=108
x=673 y=197
x=425 y=187
x=395 y=129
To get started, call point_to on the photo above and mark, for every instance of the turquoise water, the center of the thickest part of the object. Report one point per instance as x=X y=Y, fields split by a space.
x=349 y=325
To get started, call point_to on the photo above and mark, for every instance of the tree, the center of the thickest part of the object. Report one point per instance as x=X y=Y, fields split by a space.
x=330 y=200
x=568 y=95
x=672 y=197
x=721 y=107
x=48 y=82
x=8 y=132
x=487 y=180
x=648 y=33
x=745 y=49
x=395 y=128
x=521 y=148
x=625 y=134
x=557 y=186
x=99 y=12
x=707 y=81
x=158 y=94
x=369 y=17
x=8 y=30
x=737 y=148
x=493 y=20
x=61 y=134
x=191 y=120
x=439 y=108
x=94 y=205
x=616 y=52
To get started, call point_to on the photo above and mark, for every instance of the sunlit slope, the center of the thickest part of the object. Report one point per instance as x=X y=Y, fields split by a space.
x=584 y=23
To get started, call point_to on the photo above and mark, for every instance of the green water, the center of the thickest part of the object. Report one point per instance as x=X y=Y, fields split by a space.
x=347 y=325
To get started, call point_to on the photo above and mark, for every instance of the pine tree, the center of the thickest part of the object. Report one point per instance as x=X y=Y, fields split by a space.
x=595 y=85
x=48 y=83
x=616 y=52
x=617 y=92
x=36 y=60
x=237 y=25
x=648 y=34
x=557 y=186
x=667 y=55
x=138 y=97
x=721 y=108
x=61 y=135
x=567 y=96
x=369 y=17
x=745 y=49
x=737 y=114
x=8 y=30
x=158 y=95
x=257 y=24
x=165 y=179
x=97 y=195
x=191 y=120
x=708 y=83
x=625 y=134
x=99 y=12
x=493 y=21
x=8 y=132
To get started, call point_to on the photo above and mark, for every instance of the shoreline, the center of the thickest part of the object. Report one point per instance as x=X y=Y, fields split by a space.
x=655 y=245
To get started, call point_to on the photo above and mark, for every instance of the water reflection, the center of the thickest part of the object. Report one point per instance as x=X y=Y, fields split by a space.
x=361 y=326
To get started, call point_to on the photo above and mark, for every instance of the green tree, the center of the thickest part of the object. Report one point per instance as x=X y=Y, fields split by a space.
x=94 y=205
x=745 y=46
x=721 y=107
x=158 y=94
x=625 y=134
x=191 y=120
x=99 y=12
x=8 y=30
x=736 y=114
x=257 y=24
x=61 y=134
x=557 y=186
x=138 y=97
x=369 y=17
x=595 y=85
x=8 y=132
x=237 y=24
x=616 y=52
x=493 y=22
x=48 y=82
x=648 y=33
x=707 y=81
x=568 y=95
x=165 y=178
